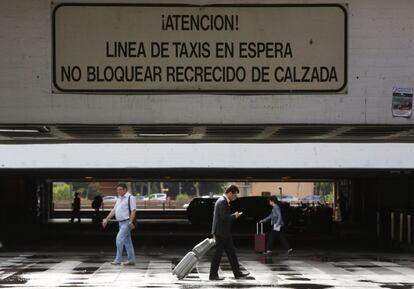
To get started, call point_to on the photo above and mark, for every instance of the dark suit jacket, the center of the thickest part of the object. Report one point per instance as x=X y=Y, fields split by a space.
x=222 y=218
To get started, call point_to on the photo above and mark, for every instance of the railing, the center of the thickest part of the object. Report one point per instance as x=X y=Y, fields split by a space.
x=395 y=227
x=141 y=204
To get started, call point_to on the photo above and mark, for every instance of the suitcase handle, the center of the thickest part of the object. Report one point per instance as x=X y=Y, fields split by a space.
x=257 y=228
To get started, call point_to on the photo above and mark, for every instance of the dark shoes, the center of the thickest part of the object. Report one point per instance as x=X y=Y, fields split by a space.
x=241 y=275
x=216 y=278
x=288 y=252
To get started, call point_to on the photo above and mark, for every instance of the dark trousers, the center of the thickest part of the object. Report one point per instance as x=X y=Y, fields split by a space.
x=226 y=245
x=277 y=235
x=75 y=214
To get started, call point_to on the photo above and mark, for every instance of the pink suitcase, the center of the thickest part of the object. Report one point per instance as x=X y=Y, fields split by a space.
x=259 y=239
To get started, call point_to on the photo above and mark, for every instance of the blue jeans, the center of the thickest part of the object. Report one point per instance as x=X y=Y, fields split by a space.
x=123 y=238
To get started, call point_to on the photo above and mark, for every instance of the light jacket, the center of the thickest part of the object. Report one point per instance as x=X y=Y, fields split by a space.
x=275 y=217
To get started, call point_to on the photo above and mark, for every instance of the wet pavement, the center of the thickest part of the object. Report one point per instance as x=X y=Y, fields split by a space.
x=304 y=269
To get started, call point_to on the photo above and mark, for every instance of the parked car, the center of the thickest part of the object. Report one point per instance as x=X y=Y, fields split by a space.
x=254 y=209
x=200 y=210
x=311 y=199
x=157 y=197
x=141 y=198
x=109 y=199
x=214 y=196
x=289 y=199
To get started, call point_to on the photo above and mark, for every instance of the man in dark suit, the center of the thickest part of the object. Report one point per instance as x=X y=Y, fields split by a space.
x=222 y=220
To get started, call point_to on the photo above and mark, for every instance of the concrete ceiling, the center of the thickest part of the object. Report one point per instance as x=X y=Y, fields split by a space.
x=87 y=133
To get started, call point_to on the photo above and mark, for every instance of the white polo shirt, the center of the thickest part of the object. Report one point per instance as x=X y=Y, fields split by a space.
x=121 y=207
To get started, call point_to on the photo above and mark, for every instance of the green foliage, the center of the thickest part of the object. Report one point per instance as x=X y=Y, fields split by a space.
x=216 y=188
x=62 y=192
x=80 y=187
x=138 y=187
x=155 y=187
x=329 y=198
x=182 y=197
x=92 y=190
x=323 y=188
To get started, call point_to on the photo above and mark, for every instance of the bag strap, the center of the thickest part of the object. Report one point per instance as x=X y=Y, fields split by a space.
x=129 y=205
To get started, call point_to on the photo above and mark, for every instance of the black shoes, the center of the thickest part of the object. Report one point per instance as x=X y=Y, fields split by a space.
x=241 y=275
x=216 y=278
x=288 y=252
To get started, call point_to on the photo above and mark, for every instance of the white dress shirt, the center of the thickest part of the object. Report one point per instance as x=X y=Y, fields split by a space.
x=121 y=207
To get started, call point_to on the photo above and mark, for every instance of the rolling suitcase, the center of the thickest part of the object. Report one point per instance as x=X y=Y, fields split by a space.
x=203 y=247
x=259 y=239
x=191 y=259
x=186 y=265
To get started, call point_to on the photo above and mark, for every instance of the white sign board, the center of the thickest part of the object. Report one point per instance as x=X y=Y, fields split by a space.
x=133 y=48
x=402 y=102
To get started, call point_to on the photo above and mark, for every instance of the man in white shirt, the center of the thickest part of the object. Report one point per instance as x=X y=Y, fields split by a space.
x=125 y=216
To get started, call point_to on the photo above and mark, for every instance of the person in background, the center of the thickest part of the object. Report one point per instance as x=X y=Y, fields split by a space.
x=96 y=205
x=277 y=223
x=222 y=219
x=76 y=205
x=124 y=211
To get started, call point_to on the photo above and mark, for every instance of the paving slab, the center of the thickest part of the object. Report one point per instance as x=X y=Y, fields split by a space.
x=305 y=269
